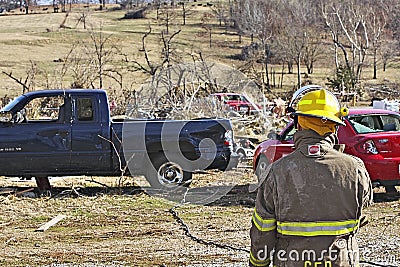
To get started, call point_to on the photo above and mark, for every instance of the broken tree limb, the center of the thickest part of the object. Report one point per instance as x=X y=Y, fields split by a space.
x=19 y=81
x=20 y=193
x=50 y=223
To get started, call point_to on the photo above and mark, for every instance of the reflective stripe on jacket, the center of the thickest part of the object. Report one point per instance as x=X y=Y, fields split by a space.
x=263 y=225
x=317 y=228
x=309 y=206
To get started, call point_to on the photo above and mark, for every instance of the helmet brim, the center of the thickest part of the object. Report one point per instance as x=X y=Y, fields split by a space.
x=320 y=114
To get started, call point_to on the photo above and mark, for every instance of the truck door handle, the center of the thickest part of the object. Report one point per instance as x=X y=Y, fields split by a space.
x=63 y=134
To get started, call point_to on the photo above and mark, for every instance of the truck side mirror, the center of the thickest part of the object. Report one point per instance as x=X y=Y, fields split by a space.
x=273 y=136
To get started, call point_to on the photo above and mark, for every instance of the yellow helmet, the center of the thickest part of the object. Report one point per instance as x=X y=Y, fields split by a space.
x=321 y=104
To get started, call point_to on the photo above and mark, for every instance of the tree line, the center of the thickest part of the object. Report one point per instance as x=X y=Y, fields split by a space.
x=292 y=33
x=356 y=34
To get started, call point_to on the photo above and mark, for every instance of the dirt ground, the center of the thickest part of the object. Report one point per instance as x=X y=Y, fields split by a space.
x=108 y=225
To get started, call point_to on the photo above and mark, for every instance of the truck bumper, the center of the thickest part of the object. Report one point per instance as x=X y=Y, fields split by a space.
x=225 y=161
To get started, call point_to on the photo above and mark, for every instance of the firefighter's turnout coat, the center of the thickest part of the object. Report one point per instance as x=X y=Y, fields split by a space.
x=309 y=206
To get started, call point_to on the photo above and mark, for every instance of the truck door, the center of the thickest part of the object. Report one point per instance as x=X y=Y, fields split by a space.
x=40 y=140
x=90 y=153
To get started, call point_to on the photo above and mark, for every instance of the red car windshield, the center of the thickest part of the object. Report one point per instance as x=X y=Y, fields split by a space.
x=234 y=98
x=371 y=123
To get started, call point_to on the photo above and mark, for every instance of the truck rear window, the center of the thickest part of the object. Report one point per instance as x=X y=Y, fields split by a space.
x=85 y=109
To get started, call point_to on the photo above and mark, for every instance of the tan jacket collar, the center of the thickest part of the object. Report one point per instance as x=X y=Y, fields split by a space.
x=305 y=138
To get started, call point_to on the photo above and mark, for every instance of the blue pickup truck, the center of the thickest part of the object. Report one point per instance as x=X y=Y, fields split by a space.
x=70 y=132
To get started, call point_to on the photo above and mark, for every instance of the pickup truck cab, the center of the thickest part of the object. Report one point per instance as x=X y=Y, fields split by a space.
x=70 y=132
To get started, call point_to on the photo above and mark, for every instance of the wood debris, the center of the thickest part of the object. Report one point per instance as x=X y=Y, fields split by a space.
x=50 y=223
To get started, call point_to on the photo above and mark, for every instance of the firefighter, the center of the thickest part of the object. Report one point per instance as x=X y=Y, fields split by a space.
x=309 y=203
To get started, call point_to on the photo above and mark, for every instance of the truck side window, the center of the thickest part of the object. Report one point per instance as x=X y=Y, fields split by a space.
x=47 y=108
x=85 y=109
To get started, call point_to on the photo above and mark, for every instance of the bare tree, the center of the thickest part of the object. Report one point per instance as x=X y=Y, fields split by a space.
x=312 y=50
x=79 y=66
x=167 y=16
x=221 y=11
x=163 y=59
x=83 y=18
x=101 y=52
x=150 y=67
x=377 y=13
x=206 y=24
x=30 y=81
x=347 y=23
x=389 y=51
x=299 y=37
x=186 y=11
x=293 y=35
x=89 y=62
x=258 y=19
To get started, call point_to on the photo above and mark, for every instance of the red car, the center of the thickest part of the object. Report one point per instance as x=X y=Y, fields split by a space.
x=373 y=135
x=238 y=102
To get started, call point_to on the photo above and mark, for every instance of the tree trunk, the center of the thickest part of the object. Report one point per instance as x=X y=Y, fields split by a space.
x=298 y=70
x=267 y=74
x=273 y=78
x=167 y=23
x=290 y=67
x=184 y=13
x=374 y=77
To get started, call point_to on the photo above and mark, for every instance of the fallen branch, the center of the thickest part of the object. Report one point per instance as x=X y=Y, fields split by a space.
x=20 y=193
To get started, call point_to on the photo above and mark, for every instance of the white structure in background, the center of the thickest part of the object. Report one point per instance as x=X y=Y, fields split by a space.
x=392 y=105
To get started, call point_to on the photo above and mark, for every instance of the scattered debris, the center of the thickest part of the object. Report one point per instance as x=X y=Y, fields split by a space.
x=51 y=223
x=7 y=191
x=26 y=193
x=386 y=104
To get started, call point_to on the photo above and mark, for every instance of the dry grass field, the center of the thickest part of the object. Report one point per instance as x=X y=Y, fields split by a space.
x=38 y=40
x=112 y=226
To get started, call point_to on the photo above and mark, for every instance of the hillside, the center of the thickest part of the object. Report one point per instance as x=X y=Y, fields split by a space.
x=36 y=48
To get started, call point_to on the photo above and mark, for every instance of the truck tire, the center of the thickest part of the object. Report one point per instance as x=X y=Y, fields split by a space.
x=262 y=166
x=166 y=174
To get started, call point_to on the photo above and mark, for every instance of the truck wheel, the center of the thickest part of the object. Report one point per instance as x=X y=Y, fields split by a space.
x=165 y=174
x=262 y=166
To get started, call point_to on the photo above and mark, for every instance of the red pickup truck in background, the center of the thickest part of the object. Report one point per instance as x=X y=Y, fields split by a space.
x=238 y=102
x=373 y=135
